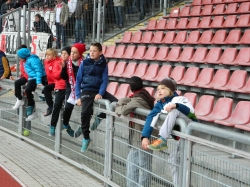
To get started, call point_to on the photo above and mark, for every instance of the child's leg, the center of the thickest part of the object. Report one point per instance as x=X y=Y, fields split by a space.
x=47 y=94
x=109 y=97
x=68 y=108
x=18 y=84
x=31 y=86
x=133 y=167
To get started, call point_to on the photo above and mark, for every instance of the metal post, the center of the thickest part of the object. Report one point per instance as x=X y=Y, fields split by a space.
x=187 y=163
x=28 y=25
x=103 y=21
x=24 y=25
x=94 y=22
x=58 y=137
x=164 y=7
x=161 y=5
x=18 y=43
x=98 y=21
x=153 y=7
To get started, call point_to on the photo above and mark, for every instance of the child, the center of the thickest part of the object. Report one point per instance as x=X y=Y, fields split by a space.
x=91 y=84
x=176 y=107
x=60 y=89
x=140 y=98
x=5 y=72
x=36 y=77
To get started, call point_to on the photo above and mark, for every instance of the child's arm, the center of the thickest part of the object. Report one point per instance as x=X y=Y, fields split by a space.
x=104 y=84
x=57 y=69
x=79 y=81
x=6 y=68
x=39 y=69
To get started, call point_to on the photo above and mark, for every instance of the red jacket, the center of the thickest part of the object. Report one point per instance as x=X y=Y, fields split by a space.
x=23 y=73
x=60 y=84
x=49 y=65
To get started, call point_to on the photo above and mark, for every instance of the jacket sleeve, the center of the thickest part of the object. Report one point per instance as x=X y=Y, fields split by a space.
x=66 y=14
x=79 y=81
x=39 y=69
x=104 y=84
x=6 y=67
x=57 y=69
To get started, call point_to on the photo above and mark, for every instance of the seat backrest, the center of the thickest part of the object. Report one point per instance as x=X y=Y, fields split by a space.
x=190 y=76
x=221 y=78
x=110 y=51
x=164 y=72
x=169 y=37
x=126 y=37
x=241 y=113
x=136 y=37
x=219 y=37
x=178 y=73
x=162 y=54
x=119 y=51
x=150 y=90
x=139 y=53
x=205 y=77
x=112 y=88
x=122 y=91
x=147 y=37
x=231 y=8
x=207 y=10
x=185 y=11
x=219 y=9
x=141 y=70
x=111 y=66
x=199 y=55
x=245 y=38
x=246 y=88
x=193 y=23
x=174 y=54
x=217 y=22
x=151 y=24
x=204 y=106
x=150 y=53
x=171 y=23
x=104 y=48
x=228 y=56
x=243 y=57
x=129 y=52
x=213 y=55
x=243 y=21
x=244 y=7
x=180 y=38
x=196 y=2
x=151 y=72
x=193 y=37
x=192 y=97
x=233 y=37
x=157 y=37
x=206 y=37
x=205 y=2
x=226 y=104
x=130 y=69
x=237 y=79
x=230 y=21
x=161 y=24
x=175 y=12
x=205 y=22
x=186 y=54
x=119 y=69
x=182 y=23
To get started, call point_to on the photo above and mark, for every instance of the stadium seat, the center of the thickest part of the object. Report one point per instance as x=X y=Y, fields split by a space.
x=157 y=37
x=213 y=55
x=141 y=70
x=186 y=54
x=193 y=37
x=164 y=72
x=173 y=54
x=151 y=72
x=119 y=69
x=245 y=38
x=228 y=56
x=126 y=38
x=171 y=23
x=147 y=37
x=182 y=23
x=217 y=22
x=119 y=51
x=205 y=22
x=151 y=25
x=180 y=37
x=219 y=9
x=190 y=76
x=220 y=79
x=243 y=21
x=196 y=2
x=104 y=48
x=244 y=7
x=136 y=37
x=207 y=10
x=219 y=37
x=150 y=53
x=174 y=13
x=204 y=106
x=150 y=90
x=110 y=51
x=111 y=67
x=230 y=21
x=218 y=113
x=205 y=77
x=245 y=127
x=177 y=73
x=169 y=37
x=130 y=70
x=236 y=81
x=139 y=53
x=122 y=91
x=162 y=54
x=192 y=97
x=185 y=11
x=233 y=37
x=206 y=2
x=129 y=52
x=193 y=23
x=196 y=11
x=199 y=55
x=231 y=8
x=112 y=88
x=161 y=24
x=206 y=37
x=178 y=92
x=243 y=57
x=240 y=115
x=245 y=89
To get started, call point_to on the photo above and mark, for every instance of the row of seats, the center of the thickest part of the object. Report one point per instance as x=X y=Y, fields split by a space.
x=206 y=78
x=207 y=10
x=216 y=55
x=207 y=2
x=207 y=22
x=208 y=37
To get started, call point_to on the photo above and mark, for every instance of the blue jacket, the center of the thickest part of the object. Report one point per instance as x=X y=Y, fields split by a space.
x=92 y=76
x=147 y=129
x=34 y=68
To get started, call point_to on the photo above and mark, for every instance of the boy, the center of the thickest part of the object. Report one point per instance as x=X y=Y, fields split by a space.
x=175 y=107
x=140 y=98
x=5 y=72
x=91 y=84
x=36 y=77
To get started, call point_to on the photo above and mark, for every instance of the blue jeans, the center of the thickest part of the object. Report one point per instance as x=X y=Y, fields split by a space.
x=140 y=5
x=80 y=30
x=119 y=15
x=60 y=30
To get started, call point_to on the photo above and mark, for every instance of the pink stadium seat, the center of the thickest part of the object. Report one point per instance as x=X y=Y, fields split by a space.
x=119 y=51
x=196 y=11
x=110 y=51
x=220 y=79
x=217 y=22
x=219 y=37
x=193 y=23
x=228 y=1
x=129 y=52
x=104 y=48
x=174 y=12
x=139 y=53
x=162 y=54
x=180 y=37
x=193 y=37
x=244 y=7
x=231 y=8
x=186 y=54
x=151 y=25
x=213 y=55
x=206 y=37
x=230 y=21
x=218 y=113
x=240 y=115
x=126 y=38
x=179 y=92
x=207 y=10
x=185 y=11
x=205 y=77
x=130 y=70
x=151 y=72
x=112 y=88
x=243 y=57
x=192 y=97
x=207 y=2
x=233 y=37
x=196 y=2
x=243 y=21
x=161 y=24
x=163 y=73
x=122 y=91
x=147 y=37
x=190 y=76
x=245 y=38
x=169 y=37
x=217 y=1
x=136 y=37
x=174 y=54
x=119 y=69
x=219 y=9
x=245 y=89
x=199 y=55
x=171 y=23
x=228 y=56
x=177 y=73
x=150 y=90
x=141 y=70
x=150 y=54
x=157 y=37
x=205 y=22
x=236 y=81
x=111 y=66
x=245 y=127
x=182 y=24
x=204 y=106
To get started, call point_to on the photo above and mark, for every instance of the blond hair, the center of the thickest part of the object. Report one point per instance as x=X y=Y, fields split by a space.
x=53 y=51
x=171 y=93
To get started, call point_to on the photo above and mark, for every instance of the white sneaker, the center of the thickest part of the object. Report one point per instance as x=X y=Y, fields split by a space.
x=18 y=104
x=32 y=116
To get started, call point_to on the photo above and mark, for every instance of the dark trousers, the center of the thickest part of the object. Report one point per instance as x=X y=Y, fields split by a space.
x=18 y=87
x=59 y=98
x=68 y=108
x=87 y=99
x=47 y=91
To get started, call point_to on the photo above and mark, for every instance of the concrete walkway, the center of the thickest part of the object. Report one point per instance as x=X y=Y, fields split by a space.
x=35 y=168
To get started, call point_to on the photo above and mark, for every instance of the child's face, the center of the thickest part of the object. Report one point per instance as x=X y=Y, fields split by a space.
x=163 y=91
x=74 y=54
x=94 y=53
x=49 y=56
x=64 y=55
x=36 y=19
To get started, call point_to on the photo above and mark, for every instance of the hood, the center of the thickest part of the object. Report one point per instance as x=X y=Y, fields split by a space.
x=147 y=97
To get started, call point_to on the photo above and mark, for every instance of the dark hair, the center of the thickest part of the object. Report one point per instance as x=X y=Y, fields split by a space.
x=98 y=45
x=22 y=46
x=135 y=83
x=38 y=15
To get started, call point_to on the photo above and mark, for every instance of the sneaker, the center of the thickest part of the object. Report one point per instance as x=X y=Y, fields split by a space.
x=34 y=115
x=158 y=145
x=42 y=98
x=85 y=145
x=78 y=132
x=48 y=112
x=30 y=110
x=95 y=124
x=26 y=132
x=69 y=130
x=18 y=104
x=52 y=131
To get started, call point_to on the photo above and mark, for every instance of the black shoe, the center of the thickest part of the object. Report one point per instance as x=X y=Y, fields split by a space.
x=48 y=112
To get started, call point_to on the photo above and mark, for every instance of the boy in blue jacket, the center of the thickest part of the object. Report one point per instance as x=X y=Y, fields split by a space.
x=91 y=84
x=168 y=101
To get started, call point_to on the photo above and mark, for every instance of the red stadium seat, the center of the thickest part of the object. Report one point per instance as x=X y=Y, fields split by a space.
x=233 y=37
x=169 y=37
x=186 y=54
x=151 y=25
x=213 y=55
x=240 y=115
x=206 y=37
x=204 y=106
x=243 y=21
x=228 y=56
x=171 y=23
x=219 y=37
x=217 y=22
x=130 y=70
x=207 y=2
x=193 y=37
x=111 y=67
x=150 y=54
x=245 y=89
x=220 y=79
x=174 y=12
x=199 y=55
x=219 y=9
x=207 y=10
x=174 y=54
x=141 y=70
x=245 y=38
x=139 y=53
x=178 y=92
x=150 y=90
x=243 y=57
x=157 y=37
x=161 y=24
x=192 y=97
x=230 y=21
x=104 y=48
x=182 y=24
x=129 y=52
x=218 y=113
x=162 y=54
x=180 y=37
x=244 y=7
x=231 y=8
x=147 y=37
x=177 y=73
x=151 y=72
x=119 y=69
x=205 y=77
x=126 y=38
x=110 y=51
x=190 y=76
x=136 y=37
x=164 y=72
x=112 y=88
x=196 y=2
x=245 y=127
x=193 y=23
x=122 y=91
x=185 y=11
x=205 y=22
x=196 y=11
x=119 y=51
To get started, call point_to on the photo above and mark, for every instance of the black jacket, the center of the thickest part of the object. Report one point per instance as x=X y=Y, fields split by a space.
x=42 y=26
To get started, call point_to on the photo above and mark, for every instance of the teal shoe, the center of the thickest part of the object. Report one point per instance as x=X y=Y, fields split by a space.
x=158 y=144
x=95 y=124
x=52 y=131
x=69 y=130
x=30 y=110
x=78 y=132
x=85 y=145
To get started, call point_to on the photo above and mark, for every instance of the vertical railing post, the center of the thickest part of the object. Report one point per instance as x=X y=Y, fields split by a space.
x=28 y=24
x=153 y=7
x=94 y=21
x=98 y=20
x=58 y=134
x=24 y=25
x=18 y=43
x=187 y=163
x=165 y=7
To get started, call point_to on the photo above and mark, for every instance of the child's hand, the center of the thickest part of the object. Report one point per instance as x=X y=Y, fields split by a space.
x=98 y=96
x=12 y=78
x=170 y=107
x=145 y=143
x=39 y=85
x=79 y=102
